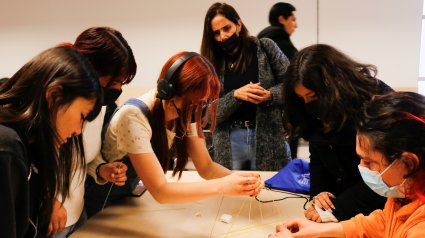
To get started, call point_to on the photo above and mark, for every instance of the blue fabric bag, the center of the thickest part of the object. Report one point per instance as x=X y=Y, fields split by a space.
x=294 y=177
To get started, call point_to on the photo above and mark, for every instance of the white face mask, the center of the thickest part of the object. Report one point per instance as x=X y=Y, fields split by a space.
x=373 y=179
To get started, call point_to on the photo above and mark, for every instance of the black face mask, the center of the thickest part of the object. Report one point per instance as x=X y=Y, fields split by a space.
x=229 y=45
x=110 y=95
x=313 y=109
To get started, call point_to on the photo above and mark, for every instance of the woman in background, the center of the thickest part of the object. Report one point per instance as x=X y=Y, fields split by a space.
x=249 y=132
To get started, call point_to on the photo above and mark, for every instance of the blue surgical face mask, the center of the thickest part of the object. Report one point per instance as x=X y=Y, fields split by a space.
x=373 y=179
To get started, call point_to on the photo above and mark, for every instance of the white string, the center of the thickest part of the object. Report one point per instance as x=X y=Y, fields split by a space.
x=34 y=225
x=107 y=195
x=222 y=197
x=109 y=192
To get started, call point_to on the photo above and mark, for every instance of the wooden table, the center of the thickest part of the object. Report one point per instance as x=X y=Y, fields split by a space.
x=144 y=217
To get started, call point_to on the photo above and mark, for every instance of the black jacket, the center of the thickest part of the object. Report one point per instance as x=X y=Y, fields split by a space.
x=21 y=196
x=14 y=209
x=279 y=35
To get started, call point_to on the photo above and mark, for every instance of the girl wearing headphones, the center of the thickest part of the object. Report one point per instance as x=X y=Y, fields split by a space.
x=171 y=128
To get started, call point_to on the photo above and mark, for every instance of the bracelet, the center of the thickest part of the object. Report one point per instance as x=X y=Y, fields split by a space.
x=97 y=170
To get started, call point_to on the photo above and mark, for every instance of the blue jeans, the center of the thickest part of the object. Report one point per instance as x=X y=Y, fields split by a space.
x=242 y=142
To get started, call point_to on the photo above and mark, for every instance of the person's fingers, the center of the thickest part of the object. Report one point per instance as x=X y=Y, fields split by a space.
x=62 y=225
x=280 y=227
x=119 y=183
x=309 y=214
x=309 y=210
x=247 y=179
x=55 y=228
x=121 y=177
x=322 y=200
x=321 y=203
x=49 y=229
x=317 y=218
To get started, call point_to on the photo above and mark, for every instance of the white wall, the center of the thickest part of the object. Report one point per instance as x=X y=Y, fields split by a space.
x=383 y=32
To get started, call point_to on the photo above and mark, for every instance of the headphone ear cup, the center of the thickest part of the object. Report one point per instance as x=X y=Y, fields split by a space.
x=165 y=90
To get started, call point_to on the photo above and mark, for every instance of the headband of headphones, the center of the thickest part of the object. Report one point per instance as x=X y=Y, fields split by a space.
x=165 y=88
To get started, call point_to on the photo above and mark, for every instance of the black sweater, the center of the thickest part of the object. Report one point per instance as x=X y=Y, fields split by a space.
x=20 y=199
x=14 y=209
x=334 y=168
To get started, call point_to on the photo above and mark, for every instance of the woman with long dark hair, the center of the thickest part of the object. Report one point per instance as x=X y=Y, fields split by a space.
x=249 y=133
x=324 y=93
x=43 y=108
x=112 y=58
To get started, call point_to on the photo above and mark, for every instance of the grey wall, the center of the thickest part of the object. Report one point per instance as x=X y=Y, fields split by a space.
x=382 y=32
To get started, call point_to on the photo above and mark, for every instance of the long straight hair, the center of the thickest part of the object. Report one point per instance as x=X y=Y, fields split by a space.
x=196 y=82
x=209 y=47
x=24 y=107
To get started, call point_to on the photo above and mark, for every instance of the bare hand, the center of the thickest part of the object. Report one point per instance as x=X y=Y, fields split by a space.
x=253 y=93
x=297 y=228
x=281 y=232
x=311 y=213
x=114 y=172
x=58 y=219
x=321 y=201
x=242 y=183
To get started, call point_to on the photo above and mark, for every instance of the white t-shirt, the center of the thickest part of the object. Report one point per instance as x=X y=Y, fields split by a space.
x=74 y=203
x=129 y=131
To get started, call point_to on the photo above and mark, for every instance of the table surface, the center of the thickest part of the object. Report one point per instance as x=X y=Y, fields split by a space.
x=144 y=217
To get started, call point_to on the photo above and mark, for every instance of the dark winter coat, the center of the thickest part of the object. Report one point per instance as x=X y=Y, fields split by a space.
x=272 y=150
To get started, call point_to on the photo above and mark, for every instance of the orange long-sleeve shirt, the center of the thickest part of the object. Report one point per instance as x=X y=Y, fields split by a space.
x=394 y=221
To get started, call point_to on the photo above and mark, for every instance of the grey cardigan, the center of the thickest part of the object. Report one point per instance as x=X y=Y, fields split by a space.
x=271 y=147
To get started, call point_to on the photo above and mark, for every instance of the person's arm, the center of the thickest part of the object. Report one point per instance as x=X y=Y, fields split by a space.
x=58 y=218
x=227 y=105
x=206 y=168
x=93 y=167
x=150 y=172
x=279 y=63
x=367 y=226
x=133 y=135
x=321 y=185
x=306 y=229
x=320 y=178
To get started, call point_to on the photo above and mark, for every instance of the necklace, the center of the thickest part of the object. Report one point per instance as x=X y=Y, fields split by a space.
x=231 y=65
